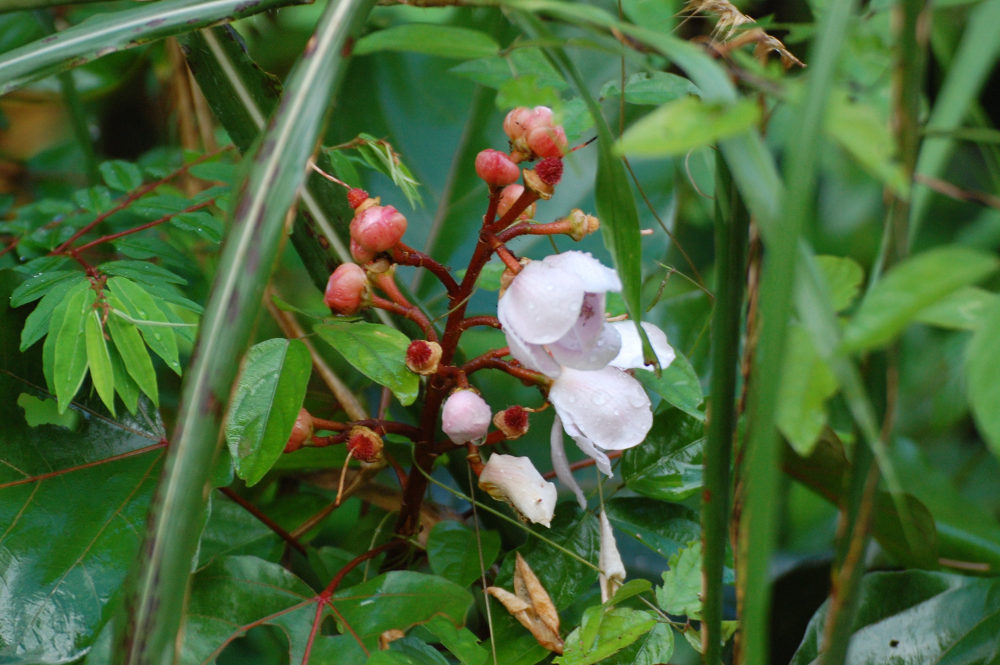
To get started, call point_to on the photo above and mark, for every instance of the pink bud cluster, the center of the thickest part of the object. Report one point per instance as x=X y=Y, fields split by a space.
x=532 y=134
x=375 y=228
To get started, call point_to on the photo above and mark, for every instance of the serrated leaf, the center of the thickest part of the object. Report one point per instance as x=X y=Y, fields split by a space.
x=375 y=350
x=667 y=466
x=99 y=360
x=909 y=287
x=121 y=175
x=678 y=384
x=843 y=277
x=37 y=286
x=454 y=553
x=135 y=357
x=140 y=306
x=681 y=590
x=445 y=41
x=267 y=400
x=687 y=123
x=604 y=633
x=37 y=323
x=69 y=353
x=981 y=365
x=653 y=648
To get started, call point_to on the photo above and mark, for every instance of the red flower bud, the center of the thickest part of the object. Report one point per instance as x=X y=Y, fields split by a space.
x=356 y=196
x=547 y=140
x=302 y=431
x=359 y=253
x=516 y=123
x=422 y=357
x=364 y=444
x=512 y=421
x=496 y=168
x=378 y=228
x=345 y=289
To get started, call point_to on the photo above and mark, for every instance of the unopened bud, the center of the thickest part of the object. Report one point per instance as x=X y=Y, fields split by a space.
x=547 y=140
x=581 y=224
x=496 y=168
x=422 y=357
x=516 y=481
x=516 y=123
x=510 y=194
x=512 y=421
x=345 y=290
x=364 y=444
x=359 y=253
x=378 y=228
x=302 y=431
x=465 y=416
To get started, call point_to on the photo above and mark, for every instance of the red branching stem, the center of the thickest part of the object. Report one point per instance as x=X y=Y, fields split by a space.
x=491 y=361
x=410 y=312
x=327 y=593
x=114 y=458
x=472 y=321
x=381 y=426
x=142 y=227
x=560 y=226
x=317 y=620
x=491 y=207
x=582 y=464
x=475 y=461
x=397 y=467
x=131 y=198
x=520 y=205
x=264 y=519
x=407 y=256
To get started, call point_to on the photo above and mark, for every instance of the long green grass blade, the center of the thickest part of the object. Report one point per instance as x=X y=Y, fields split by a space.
x=155 y=598
x=114 y=31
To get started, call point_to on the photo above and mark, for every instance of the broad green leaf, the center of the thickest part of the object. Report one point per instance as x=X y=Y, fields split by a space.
x=981 y=367
x=375 y=350
x=681 y=591
x=494 y=71
x=526 y=91
x=99 y=360
x=232 y=530
x=650 y=88
x=807 y=383
x=459 y=641
x=667 y=466
x=141 y=271
x=917 y=616
x=267 y=400
x=454 y=553
x=46 y=412
x=408 y=651
x=653 y=648
x=69 y=353
x=962 y=310
x=36 y=287
x=663 y=528
x=446 y=41
x=678 y=384
x=37 y=323
x=121 y=175
x=603 y=633
x=909 y=287
x=134 y=354
x=687 y=123
x=399 y=599
x=114 y=31
x=843 y=277
x=630 y=589
x=860 y=130
x=140 y=306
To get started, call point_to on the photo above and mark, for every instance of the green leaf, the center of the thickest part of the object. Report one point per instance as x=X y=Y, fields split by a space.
x=375 y=350
x=113 y=31
x=807 y=383
x=140 y=306
x=653 y=648
x=909 y=287
x=494 y=71
x=132 y=350
x=141 y=271
x=380 y=156
x=399 y=599
x=454 y=553
x=459 y=641
x=663 y=528
x=446 y=41
x=681 y=590
x=267 y=400
x=526 y=91
x=651 y=88
x=37 y=323
x=604 y=633
x=69 y=353
x=99 y=360
x=121 y=175
x=37 y=286
x=917 y=616
x=125 y=386
x=843 y=277
x=667 y=465
x=860 y=130
x=630 y=589
x=408 y=651
x=678 y=384
x=962 y=310
x=981 y=365
x=687 y=123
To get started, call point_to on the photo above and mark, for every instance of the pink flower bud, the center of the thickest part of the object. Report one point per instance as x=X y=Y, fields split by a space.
x=359 y=253
x=345 y=289
x=302 y=431
x=364 y=444
x=465 y=416
x=516 y=123
x=496 y=168
x=422 y=357
x=510 y=194
x=547 y=140
x=378 y=228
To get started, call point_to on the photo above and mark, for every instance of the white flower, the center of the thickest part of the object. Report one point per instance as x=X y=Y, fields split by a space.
x=465 y=416
x=516 y=481
x=612 y=571
x=553 y=314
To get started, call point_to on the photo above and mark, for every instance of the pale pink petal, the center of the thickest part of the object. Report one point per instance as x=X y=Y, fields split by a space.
x=607 y=406
x=630 y=355
x=595 y=356
x=542 y=303
x=532 y=356
x=591 y=274
x=560 y=464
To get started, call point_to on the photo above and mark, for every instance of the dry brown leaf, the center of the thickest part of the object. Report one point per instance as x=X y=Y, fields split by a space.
x=531 y=605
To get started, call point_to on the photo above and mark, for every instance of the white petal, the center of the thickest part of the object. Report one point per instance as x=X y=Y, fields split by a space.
x=560 y=464
x=607 y=406
x=612 y=573
x=515 y=480
x=542 y=303
x=595 y=277
x=590 y=450
x=599 y=353
x=532 y=356
x=630 y=356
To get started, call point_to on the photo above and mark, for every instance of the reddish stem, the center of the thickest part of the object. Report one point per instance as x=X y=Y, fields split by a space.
x=327 y=593
x=410 y=312
x=267 y=521
x=489 y=321
x=142 y=227
x=408 y=256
